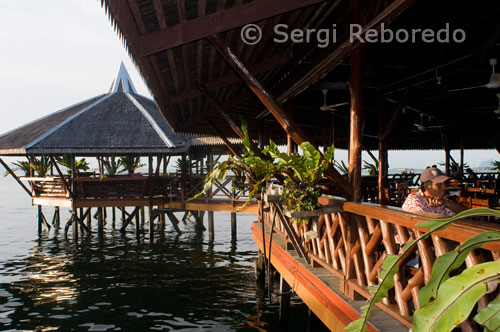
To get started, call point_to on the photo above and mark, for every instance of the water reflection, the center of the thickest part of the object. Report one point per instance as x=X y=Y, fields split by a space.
x=116 y=282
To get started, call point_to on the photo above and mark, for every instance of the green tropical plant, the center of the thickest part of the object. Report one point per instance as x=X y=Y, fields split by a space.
x=371 y=168
x=184 y=166
x=40 y=166
x=130 y=163
x=341 y=167
x=296 y=171
x=21 y=165
x=445 y=301
x=111 y=166
x=496 y=165
x=67 y=160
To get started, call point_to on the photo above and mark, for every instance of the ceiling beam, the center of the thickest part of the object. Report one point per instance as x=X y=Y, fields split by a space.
x=231 y=78
x=220 y=21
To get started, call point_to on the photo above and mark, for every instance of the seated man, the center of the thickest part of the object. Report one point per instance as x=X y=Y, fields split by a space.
x=432 y=196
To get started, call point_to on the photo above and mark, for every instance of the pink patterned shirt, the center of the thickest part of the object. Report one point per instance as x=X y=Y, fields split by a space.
x=417 y=202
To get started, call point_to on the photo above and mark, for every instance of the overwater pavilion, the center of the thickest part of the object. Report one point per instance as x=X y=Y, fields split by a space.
x=118 y=123
x=360 y=95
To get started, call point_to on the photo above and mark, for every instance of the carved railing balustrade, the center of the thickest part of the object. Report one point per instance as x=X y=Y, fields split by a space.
x=353 y=243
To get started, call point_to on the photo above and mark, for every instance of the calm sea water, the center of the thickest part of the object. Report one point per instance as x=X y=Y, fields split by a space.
x=120 y=283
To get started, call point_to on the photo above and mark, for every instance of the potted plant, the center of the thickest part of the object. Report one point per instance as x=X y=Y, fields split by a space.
x=23 y=165
x=40 y=166
x=66 y=161
x=130 y=163
x=111 y=166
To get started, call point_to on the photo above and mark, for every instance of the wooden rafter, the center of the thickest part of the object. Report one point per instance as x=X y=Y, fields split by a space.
x=220 y=21
x=223 y=81
x=122 y=13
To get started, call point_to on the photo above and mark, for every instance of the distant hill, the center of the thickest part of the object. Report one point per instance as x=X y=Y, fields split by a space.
x=486 y=163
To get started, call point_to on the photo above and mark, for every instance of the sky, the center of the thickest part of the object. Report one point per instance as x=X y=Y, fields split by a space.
x=56 y=53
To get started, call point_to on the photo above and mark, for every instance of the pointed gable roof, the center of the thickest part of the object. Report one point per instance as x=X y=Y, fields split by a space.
x=118 y=122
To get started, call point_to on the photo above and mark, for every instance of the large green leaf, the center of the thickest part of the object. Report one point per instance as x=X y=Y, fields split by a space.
x=390 y=268
x=489 y=317
x=311 y=154
x=450 y=262
x=456 y=299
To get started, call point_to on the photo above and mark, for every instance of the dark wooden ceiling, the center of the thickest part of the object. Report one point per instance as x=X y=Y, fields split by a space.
x=167 y=39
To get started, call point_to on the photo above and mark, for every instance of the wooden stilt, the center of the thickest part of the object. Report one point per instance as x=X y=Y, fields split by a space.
x=175 y=222
x=40 y=219
x=447 y=161
x=81 y=218
x=143 y=217
x=75 y=227
x=151 y=219
x=211 y=228
x=137 y=222
x=128 y=220
x=123 y=214
x=56 y=220
x=285 y=296
x=89 y=218
x=233 y=224
x=113 y=213
x=100 y=220
x=260 y=269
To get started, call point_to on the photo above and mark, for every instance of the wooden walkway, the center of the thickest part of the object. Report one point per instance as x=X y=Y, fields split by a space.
x=319 y=289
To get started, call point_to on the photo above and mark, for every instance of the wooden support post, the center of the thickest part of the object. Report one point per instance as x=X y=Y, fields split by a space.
x=89 y=217
x=285 y=296
x=151 y=220
x=56 y=220
x=175 y=222
x=100 y=220
x=447 y=161
x=162 y=220
x=211 y=228
x=40 y=219
x=143 y=217
x=285 y=120
x=357 y=122
x=137 y=222
x=113 y=216
x=183 y=180
x=75 y=226
x=123 y=214
x=233 y=224
x=260 y=269
x=81 y=218
x=462 y=160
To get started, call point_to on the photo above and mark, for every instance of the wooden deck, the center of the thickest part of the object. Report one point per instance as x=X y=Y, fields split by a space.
x=319 y=289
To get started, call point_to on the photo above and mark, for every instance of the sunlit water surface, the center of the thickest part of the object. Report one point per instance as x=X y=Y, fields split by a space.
x=121 y=283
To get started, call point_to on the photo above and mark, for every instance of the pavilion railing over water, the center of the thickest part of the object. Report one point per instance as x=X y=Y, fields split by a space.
x=352 y=244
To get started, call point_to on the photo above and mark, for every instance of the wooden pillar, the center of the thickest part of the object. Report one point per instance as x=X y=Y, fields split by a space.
x=233 y=224
x=137 y=223
x=462 y=160
x=447 y=161
x=143 y=217
x=183 y=180
x=113 y=213
x=81 y=218
x=89 y=218
x=40 y=219
x=382 y=153
x=289 y=145
x=100 y=220
x=124 y=215
x=211 y=228
x=357 y=121
x=57 y=217
x=75 y=225
x=285 y=291
x=151 y=221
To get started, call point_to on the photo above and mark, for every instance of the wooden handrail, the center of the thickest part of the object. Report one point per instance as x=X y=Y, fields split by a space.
x=352 y=244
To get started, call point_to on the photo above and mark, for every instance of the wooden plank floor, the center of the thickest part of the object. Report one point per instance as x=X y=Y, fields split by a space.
x=319 y=289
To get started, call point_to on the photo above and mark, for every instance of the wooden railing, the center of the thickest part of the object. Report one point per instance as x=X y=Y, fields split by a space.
x=51 y=186
x=353 y=243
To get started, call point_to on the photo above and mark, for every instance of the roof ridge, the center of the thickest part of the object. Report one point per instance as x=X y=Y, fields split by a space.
x=152 y=121
x=59 y=125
